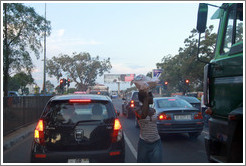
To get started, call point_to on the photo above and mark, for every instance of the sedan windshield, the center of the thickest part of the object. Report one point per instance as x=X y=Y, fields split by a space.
x=173 y=103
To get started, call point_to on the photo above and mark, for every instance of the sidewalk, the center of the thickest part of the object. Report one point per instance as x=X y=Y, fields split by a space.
x=18 y=135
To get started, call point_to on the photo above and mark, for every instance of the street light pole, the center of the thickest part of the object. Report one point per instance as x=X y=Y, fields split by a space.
x=44 y=83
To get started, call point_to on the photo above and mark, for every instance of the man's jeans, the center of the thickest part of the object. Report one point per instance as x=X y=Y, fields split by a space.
x=149 y=152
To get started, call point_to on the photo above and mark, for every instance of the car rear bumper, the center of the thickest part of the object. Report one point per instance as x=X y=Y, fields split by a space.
x=113 y=154
x=180 y=127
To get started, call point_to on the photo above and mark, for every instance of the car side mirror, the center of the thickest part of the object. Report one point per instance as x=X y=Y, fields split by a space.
x=202 y=17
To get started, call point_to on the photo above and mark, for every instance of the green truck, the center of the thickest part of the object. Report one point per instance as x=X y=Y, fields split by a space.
x=223 y=84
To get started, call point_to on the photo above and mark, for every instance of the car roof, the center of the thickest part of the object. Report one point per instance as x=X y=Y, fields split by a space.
x=81 y=96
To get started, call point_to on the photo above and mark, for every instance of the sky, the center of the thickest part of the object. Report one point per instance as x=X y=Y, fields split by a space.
x=134 y=35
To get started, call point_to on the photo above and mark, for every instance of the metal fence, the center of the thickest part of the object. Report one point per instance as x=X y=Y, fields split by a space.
x=21 y=111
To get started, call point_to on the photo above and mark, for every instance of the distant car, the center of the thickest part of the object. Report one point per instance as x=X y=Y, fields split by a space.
x=176 y=115
x=114 y=95
x=192 y=100
x=78 y=128
x=130 y=102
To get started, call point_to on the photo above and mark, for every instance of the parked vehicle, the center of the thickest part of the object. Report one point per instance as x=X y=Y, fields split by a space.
x=176 y=115
x=192 y=100
x=78 y=128
x=130 y=102
x=223 y=84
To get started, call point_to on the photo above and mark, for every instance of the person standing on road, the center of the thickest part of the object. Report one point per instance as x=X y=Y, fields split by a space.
x=149 y=144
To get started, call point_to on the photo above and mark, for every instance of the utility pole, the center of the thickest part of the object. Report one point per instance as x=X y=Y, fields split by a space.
x=44 y=83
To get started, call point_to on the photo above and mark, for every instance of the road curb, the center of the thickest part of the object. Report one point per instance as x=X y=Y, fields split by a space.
x=18 y=135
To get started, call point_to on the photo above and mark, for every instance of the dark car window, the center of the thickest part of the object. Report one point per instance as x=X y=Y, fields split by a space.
x=173 y=103
x=135 y=96
x=71 y=113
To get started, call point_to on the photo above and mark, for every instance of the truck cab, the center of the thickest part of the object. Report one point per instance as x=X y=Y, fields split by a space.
x=223 y=85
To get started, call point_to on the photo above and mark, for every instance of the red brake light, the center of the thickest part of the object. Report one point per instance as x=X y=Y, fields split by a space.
x=132 y=104
x=117 y=132
x=164 y=117
x=198 y=116
x=39 y=132
x=79 y=100
x=117 y=125
x=114 y=153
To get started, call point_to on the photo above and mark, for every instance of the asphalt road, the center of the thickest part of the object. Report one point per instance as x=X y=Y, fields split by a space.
x=177 y=148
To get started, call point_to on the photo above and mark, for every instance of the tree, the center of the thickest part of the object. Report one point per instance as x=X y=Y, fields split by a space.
x=23 y=32
x=49 y=86
x=19 y=81
x=149 y=74
x=185 y=64
x=80 y=68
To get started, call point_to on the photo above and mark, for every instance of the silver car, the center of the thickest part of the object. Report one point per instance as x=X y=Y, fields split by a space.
x=176 y=115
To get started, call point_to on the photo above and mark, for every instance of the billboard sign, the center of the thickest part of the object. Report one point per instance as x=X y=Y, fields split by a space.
x=157 y=72
x=110 y=78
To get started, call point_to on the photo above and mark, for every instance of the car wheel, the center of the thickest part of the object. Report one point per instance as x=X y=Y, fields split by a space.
x=194 y=135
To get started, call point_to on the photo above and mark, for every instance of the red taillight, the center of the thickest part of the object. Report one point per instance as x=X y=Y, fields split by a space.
x=164 y=116
x=40 y=155
x=39 y=132
x=114 y=153
x=198 y=116
x=79 y=100
x=117 y=125
x=132 y=104
x=117 y=133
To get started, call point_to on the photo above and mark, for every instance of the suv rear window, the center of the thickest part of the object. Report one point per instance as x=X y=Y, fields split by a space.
x=135 y=96
x=71 y=113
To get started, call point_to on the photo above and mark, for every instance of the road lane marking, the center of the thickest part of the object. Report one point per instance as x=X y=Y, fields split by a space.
x=134 y=152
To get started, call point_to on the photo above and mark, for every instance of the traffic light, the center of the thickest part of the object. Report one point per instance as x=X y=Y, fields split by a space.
x=61 y=83
x=68 y=82
x=187 y=81
x=165 y=85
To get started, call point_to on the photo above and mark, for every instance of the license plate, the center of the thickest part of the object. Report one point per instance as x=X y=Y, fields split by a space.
x=84 y=160
x=182 y=117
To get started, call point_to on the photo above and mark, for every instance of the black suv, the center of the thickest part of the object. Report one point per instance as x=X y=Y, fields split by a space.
x=78 y=128
x=130 y=102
